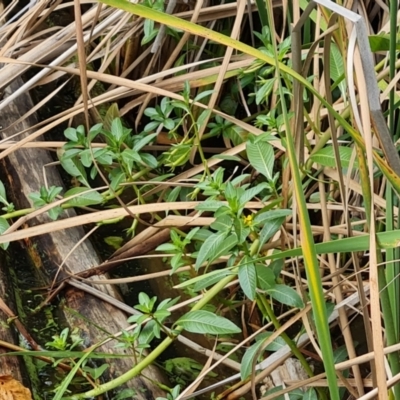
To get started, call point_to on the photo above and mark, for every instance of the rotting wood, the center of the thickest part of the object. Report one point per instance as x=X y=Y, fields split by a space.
x=9 y=365
x=24 y=174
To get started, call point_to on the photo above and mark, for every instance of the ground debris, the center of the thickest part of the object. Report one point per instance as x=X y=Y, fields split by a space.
x=291 y=370
x=11 y=389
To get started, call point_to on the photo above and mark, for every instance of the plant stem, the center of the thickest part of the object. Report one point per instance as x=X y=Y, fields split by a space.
x=307 y=238
x=296 y=352
x=18 y=213
x=264 y=305
x=389 y=325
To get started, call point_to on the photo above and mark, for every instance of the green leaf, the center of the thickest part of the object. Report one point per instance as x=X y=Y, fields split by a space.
x=210 y=205
x=286 y=295
x=117 y=177
x=269 y=229
x=169 y=124
x=130 y=156
x=202 y=235
x=37 y=200
x=74 y=167
x=226 y=157
x=206 y=322
x=96 y=372
x=94 y=131
x=111 y=114
x=66 y=152
x=200 y=278
x=261 y=156
x=326 y=157
x=144 y=141
x=235 y=133
x=86 y=158
x=265 y=277
x=149 y=32
x=228 y=105
x=264 y=91
x=340 y=354
x=222 y=223
x=168 y=247
x=381 y=43
x=117 y=129
x=210 y=279
x=151 y=112
x=114 y=241
x=148 y=332
x=103 y=156
x=55 y=212
x=4 y=225
x=70 y=133
x=177 y=262
x=86 y=198
x=263 y=216
x=191 y=235
x=53 y=192
x=250 y=194
x=202 y=118
x=173 y=194
x=337 y=68
x=149 y=160
x=277 y=344
x=387 y=240
x=202 y=95
x=3 y=195
x=160 y=315
x=310 y=394
x=248 y=278
x=247 y=360
x=214 y=247
x=276 y=266
x=241 y=230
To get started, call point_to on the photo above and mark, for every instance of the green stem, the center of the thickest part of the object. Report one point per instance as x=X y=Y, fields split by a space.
x=297 y=353
x=307 y=239
x=26 y=211
x=18 y=213
x=389 y=324
x=264 y=305
x=202 y=156
x=150 y=358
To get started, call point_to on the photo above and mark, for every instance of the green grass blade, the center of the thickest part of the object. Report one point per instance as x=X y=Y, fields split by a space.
x=387 y=240
x=307 y=239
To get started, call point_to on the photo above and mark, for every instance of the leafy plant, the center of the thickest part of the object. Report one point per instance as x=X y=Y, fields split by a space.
x=121 y=158
x=150 y=323
x=47 y=196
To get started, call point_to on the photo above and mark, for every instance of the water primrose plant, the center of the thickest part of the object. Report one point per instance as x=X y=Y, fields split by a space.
x=232 y=247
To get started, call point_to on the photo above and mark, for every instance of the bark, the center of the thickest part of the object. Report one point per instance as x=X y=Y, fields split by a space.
x=24 y=174
x=8 y=365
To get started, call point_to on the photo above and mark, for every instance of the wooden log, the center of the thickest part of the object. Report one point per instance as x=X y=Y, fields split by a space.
x=24 y=174
x=8 y=365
